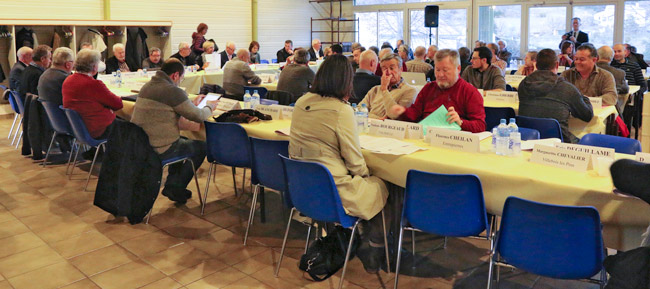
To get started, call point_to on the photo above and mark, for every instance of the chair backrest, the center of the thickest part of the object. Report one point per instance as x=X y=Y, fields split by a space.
x=228 y=144
x=20 y=102
x=283 y=97
x=620 y=144
x=563 y=242
x=494 y=114
x=314 y=193
x=79 y=129
x=547 y=127
x=265 y=101
x=12 y=101
x=265 y=161
x=274 y=60
x=528 y=133
x=57 y=117
x=448 y=205
x=264 y=61
x=260 y=90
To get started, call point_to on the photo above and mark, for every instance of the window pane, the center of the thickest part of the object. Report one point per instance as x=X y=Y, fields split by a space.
x=598 y=22
x=636 y=26
x=546 y=25
x=373 y=2
x=419 y=33
x=391 y=27
x=453 y=32
x=501 y=23
x=367 y=28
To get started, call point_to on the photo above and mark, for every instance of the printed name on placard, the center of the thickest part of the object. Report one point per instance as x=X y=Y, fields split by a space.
x=592 y=150
x=560 y=157
x=596 y=102
x=514 y=77
x=503 y=96
x=452 y=139
x=390 y=129
x=642 y=157
x=287 y=111
x=227 y=104
x=413 y=130
x=273 y=110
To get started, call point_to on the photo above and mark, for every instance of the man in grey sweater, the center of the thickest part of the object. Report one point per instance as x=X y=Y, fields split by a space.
x=483 y=74
x=546 y=95
x=297 y=77
x=51 y=81
x=158 y=108
x=237 y=74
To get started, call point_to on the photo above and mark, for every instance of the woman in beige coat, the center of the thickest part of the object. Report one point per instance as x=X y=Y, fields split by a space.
x=323 y=130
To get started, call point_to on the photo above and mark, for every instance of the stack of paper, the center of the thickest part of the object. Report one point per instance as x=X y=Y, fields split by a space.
x=438 y=119
x=388 y=146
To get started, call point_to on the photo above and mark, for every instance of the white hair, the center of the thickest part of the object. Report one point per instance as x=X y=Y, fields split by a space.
x=229 y=43
x=22 y=51
x=62 y=55
x=182 y=45
x=118 y=45
x=313 y=42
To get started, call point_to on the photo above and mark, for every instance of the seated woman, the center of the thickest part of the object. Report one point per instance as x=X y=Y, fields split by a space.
x=566 y=54
x=529 y=64
x=202 y=61
x=323 y=130
x=254 y=49
x=90 y=97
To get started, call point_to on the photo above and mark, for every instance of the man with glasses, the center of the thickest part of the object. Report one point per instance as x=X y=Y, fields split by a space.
x=51 y=81
x=153 y=62
x=483 y=74
x=185 y=55
x=119 y=61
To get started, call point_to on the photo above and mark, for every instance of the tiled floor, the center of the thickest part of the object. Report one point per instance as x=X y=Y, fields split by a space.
x=51 y=236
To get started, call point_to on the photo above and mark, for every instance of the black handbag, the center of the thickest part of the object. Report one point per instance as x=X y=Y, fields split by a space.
x=326 y=255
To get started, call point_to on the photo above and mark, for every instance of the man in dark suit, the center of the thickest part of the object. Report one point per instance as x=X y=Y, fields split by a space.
x=185 y=55
x=636 y=57
x=315 y=51
x=228 y=54
x=285 y=52
x=365 y=78
x=576 y=36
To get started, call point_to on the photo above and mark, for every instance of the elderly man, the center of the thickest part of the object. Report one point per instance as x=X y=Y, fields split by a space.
x=158 y=107
x=119 y=61
x=400 y=43
x=463 y=101
x=24 y=56
x=431 y=53
x=33 y=121
x=238 y=74
x=154 y=61
x=403 y=53
x=591 y=80
x=297 y=77
x=418 y=64
x=575 y=35
x=391 y=91
x=605 y=56
x=228 y=54
x=315 y=51
x=185 y=55
x=365 y=78
x=285 y=52
x=634 y=76
x=504 y=54
x=495 y=58
x=41 y=60
x=543 y=94
x=483 y=74
x=51 y=81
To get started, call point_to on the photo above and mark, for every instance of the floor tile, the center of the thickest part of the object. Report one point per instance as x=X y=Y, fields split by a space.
x=150 y=243
x=19 y=243
x=81 y=244
x=52 y=276
x=176 y=258
x=11 y=228
x=199 y=271
x=219 y=279
x=102 y=259
x=166 y=283
x=82 y=284
x=131 y=275
x=248 y=283
x=29 y=260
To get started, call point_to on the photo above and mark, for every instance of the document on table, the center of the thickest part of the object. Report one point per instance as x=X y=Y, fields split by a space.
x=283 y=131
x=389 y=146
x=529 y=144
x=214 y=61
x=438 y=119
x=208 y=97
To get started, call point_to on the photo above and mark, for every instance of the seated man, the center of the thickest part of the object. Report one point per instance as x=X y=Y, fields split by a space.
x=34 y=123
x=154 y=61
x=462 y=100
x=633 y=72
x=297 y=77
x=90 y=97
x=391 y=91
x=590 y=80
x=51 y=81
x=605 y=56
x=635 y=57
x=41 y=60
x=483 y=74
x=465 y=55
x=365 y=78
x=544 y=94
x=285 y=52
x=495 y=57
x=431 y=53
x=238 y=74
x=119 y=61
x=418 y=64
x=316 y=51
x=228 y=54
x=504 y=54
x=356 y=54
x=185 y=55
x=529 y=64
x=157 y=110
x=24 y=56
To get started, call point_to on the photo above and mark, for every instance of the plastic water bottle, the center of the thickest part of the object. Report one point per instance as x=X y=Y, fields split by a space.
x=114 y=79
x=255 y=99
x=354 y=108
x=502 y=138
x=247 y=100
x=118 y=75
x=512 y=127
x=494 y=139
x=363 y=117
x=515 y=144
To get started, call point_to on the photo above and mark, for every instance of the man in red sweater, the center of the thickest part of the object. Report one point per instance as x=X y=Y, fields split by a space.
x=462 y=100
x=90 y=97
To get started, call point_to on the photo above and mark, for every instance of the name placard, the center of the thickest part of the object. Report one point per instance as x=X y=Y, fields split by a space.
x=561 y=158
x=503 y=96
x=455 y=140
x=596 y=102
x=227 y=104
x=413 y=130
x=514 y=77
x=642 y=157
x=481 y=91
x=274 y=111
x=592 y=150
x=561 y=69
x=394 y=129
x=287 y=111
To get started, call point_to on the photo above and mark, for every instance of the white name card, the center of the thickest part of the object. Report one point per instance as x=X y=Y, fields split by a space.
x=287 y=111
x=394 y=129
x=274 y=111
x=453 y=139
x=642 y=157
x=227 y=104
x=413 y=130
x=561 y=69
x=514 y=77
x=561 y=158
x=502 y=96
x=596 y=102
x=594 y=151
x=130 y=75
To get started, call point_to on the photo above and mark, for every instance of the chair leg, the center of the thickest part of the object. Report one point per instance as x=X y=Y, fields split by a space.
x=399 y=255
x=262 y=199
x=67 y=167
x=311 y=225
x=251 y=213
x=490 y=270
x=603 y=278
x=92 y=165
x=12 y=126
x=284 y=242
x=207 y=187
x=74 y=163
x=444 y=244
x=20 y=124
x=234 y=182
x=47 y=154
x=196 y=181
x=243 y=183
x=347 y=254
x=383 y=221
x=20 y=137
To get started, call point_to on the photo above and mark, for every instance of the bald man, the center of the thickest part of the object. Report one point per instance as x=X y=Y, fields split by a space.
x=237 y=74
x=365 y=78
x=15 y=75
x=418 y=64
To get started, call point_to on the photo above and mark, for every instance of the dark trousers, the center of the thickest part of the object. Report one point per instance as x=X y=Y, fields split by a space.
x=181 y=174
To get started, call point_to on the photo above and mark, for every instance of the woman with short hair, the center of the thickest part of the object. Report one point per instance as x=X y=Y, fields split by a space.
x=254 y=49
x=198 y=38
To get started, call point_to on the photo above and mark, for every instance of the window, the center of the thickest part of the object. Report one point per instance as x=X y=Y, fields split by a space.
x=636 y=26
x=546 y=25
x=501 y=23
x=367 y=28
x=378 y=27
x=375 y=2
x=452 y=29
x=598 y=22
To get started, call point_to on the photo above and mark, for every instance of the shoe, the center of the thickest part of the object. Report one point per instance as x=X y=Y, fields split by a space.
x=371 y=257
x=179 y=196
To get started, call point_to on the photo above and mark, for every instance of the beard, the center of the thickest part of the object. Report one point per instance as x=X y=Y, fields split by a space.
x=446 y=84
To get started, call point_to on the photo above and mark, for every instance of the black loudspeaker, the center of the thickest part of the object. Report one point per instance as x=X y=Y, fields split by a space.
x=431 y=16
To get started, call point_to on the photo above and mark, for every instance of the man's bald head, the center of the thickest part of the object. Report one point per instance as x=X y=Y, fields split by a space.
x=368 y=61
x=620 y=52
x=243 y=55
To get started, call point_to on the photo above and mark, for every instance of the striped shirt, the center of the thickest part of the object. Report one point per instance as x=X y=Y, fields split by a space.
x=633 y=73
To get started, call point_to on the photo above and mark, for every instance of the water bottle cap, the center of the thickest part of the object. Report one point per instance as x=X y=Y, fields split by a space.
x=247 y=92
x=512 y=120
x=503 y=120
x=354 y=105
x=255 y=91
x=363 y=105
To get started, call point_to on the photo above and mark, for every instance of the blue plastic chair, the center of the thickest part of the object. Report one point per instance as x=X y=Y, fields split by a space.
x=446 y=205
x=264 y=61
x=60 y=124
x=20 y=104
x=494 y=114
x=83 y=137
x=265 y=173
x=228 y=144
x=18 y=117
x=260 y=90
x=274 y=60
x=620 y=144
x=268 y=101
x=315 y=195
x=547 y=127
x=528 y=133
x=562 y=242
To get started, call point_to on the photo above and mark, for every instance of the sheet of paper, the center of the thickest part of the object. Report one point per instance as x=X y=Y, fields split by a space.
x=214 y=61
x=208 y=97
x=527 y=145
x=388 y=146
x=284 y=131
x=438 y=119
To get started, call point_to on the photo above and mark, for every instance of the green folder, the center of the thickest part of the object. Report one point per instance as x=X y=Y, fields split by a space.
x=438 y=119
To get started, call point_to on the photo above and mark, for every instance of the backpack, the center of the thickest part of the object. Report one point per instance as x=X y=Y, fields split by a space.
x=326 y=255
